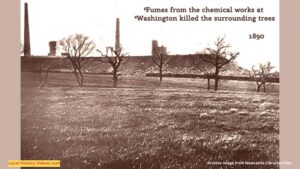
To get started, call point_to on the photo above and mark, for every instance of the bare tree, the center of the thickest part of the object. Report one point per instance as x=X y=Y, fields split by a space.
x=261 y=75
x=220 y=56
x=46 y=65
x=78 y=47
x=114 y=57
x=207 y=70
x=159 y=58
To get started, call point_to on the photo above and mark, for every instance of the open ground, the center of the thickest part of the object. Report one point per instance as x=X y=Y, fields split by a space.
x=141 y=125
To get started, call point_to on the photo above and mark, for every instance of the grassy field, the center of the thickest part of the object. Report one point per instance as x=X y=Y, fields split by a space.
x=140 y=125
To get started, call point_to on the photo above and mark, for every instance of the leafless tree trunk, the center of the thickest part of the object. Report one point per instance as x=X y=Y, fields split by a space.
x=78 y=47
x=115 y=59
x=261 y=75
x=205 y=68
x=43 y=79
x=160 y=60
x=219 y=58
x=208 y=83
x=47 y=65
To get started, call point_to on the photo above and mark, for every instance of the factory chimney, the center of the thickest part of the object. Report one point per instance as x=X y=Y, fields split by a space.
x=117 y=43
x=27 y=51
x=52 y=46
x=154 y=47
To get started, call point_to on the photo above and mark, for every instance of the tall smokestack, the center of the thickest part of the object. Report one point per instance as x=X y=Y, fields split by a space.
x=154 y=47
x=27 y=51
x=52 y=45
x=117 y=43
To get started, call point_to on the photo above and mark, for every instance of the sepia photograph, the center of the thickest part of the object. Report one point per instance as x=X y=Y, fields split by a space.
x=139 y=84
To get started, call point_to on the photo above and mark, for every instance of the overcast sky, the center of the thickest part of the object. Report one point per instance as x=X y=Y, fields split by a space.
x=55 y=19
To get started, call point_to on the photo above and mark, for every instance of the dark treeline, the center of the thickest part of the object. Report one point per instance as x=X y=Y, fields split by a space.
x=31 y=65
x=239 y=78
